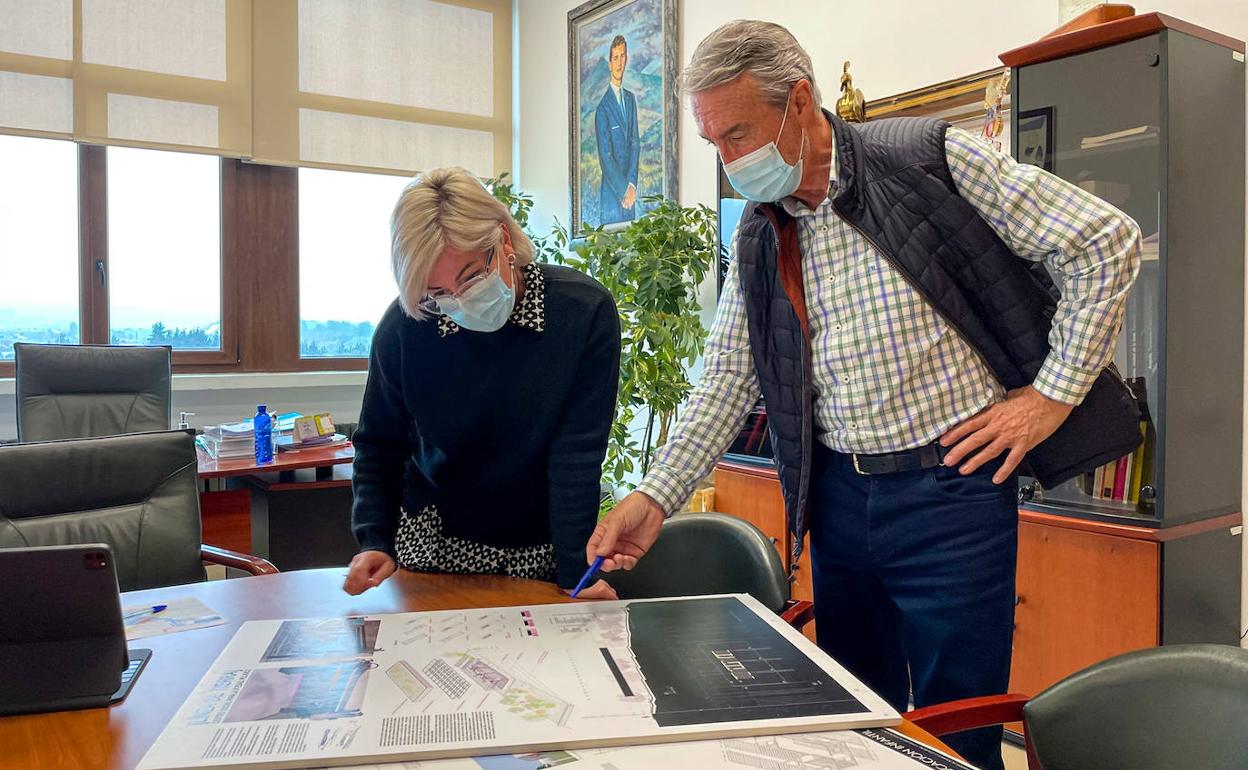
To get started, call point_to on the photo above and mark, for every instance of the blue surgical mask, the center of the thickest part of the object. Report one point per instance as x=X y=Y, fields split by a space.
x=762 y=175
x=486 y=306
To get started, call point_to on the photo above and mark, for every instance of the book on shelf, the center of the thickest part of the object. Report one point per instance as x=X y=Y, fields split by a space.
x=1107 y=480
x=1120 y=477
x=1123 y=479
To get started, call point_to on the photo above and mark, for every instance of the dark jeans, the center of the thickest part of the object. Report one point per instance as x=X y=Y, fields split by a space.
x=914 y=584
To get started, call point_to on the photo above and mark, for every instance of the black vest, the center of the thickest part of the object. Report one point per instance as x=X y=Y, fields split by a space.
x=894 y=186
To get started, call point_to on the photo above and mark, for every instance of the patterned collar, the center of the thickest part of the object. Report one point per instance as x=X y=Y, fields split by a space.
x=529 y=313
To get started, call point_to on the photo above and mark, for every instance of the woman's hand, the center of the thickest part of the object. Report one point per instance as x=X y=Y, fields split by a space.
x=599 y=590
x=367 y=570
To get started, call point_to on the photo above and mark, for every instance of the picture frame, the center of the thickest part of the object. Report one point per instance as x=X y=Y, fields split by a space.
x=964 y=102
x=622 y=115
x=1035 y=138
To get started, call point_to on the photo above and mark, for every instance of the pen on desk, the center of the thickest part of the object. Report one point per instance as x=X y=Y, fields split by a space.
x=588 y=574
x=155 y=608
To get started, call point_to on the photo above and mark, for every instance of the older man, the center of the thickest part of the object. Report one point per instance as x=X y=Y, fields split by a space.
x=883 y=270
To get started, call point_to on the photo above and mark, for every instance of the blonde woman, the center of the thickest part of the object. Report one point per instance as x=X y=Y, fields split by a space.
x=491 y=388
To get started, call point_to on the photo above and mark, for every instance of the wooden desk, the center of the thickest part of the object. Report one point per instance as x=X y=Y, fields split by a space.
x=304 y=523
x=116 y=738
x=226 y=504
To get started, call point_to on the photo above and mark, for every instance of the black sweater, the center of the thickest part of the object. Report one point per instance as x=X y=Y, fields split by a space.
x=504 y=432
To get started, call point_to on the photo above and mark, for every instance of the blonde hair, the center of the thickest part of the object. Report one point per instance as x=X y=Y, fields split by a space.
x=440 y=208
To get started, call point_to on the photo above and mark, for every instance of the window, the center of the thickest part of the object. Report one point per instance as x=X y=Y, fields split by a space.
x=345 y=280
x=38 y=242
x=164 y=249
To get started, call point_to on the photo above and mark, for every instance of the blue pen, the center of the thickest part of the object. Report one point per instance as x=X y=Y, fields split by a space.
x=588 y=574
x=153 y=610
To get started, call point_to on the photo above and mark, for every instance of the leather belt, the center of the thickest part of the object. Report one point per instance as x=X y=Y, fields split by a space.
x=919 y=458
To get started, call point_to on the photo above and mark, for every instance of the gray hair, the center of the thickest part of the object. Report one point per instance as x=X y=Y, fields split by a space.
x=765 y=50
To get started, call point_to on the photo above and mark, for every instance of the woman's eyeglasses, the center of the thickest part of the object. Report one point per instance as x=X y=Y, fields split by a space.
x=444 y=302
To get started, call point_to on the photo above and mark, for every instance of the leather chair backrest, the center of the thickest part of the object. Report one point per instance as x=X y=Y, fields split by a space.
x=139 y=493
x=707 y=553
x=80 y=391
x=1183 y=706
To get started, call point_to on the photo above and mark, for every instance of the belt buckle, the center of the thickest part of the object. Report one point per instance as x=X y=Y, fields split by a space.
x=857 y=467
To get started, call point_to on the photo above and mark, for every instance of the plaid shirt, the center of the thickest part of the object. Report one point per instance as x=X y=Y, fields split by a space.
x=888 y=373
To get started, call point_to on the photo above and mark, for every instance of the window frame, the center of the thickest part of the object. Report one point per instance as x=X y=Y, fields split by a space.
x=259 y=220
x=93 y=300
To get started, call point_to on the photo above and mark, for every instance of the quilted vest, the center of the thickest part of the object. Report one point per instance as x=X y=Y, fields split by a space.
x=896 y=189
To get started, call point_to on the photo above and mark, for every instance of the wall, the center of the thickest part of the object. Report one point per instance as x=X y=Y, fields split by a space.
x=895 y=45
x=216 y=398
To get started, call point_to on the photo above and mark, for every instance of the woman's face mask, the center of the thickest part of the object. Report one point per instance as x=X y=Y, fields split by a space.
x=485 y=306
x=482 y=304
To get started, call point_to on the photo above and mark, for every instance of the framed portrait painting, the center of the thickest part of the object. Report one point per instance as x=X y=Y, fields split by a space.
x=622 y=109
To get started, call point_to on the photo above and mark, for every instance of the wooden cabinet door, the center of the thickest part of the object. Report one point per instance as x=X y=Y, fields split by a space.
x=1083 y=597
x=752 y=496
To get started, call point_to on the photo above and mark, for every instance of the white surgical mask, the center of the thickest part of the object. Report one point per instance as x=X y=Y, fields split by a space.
x=486 y=306
x=762 y=175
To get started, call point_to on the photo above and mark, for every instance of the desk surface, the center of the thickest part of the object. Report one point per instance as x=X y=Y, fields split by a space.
x=116 y=738
x=282 y=461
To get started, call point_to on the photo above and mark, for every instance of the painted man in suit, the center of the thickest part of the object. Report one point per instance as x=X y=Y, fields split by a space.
x=619 y=144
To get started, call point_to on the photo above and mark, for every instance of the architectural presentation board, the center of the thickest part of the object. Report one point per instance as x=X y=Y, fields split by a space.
x=869 y=749
x=430 y=685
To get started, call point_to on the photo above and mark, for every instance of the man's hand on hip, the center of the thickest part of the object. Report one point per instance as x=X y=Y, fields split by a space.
x=1016 y=425
x=626 y=533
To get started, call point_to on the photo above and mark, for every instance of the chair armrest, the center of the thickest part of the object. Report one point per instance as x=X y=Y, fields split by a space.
x=244 y=561
x=968 y=714
x=798 y=612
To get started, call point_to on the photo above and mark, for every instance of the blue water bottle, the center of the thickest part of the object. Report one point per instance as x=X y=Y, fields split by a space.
x=263 y=424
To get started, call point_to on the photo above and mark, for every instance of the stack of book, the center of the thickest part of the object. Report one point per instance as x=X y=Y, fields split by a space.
x=228 y=442
x=1120 y=480
x=1125 y=478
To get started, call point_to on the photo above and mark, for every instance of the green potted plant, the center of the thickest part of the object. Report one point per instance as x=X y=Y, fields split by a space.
x=653 y=268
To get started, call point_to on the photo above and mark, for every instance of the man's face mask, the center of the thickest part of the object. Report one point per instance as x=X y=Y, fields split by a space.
x=762 y=175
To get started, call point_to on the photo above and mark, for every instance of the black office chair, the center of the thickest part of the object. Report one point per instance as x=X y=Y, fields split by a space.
x=139 y=493
x=712 y=553
x=80 y=391
x=1183 y=706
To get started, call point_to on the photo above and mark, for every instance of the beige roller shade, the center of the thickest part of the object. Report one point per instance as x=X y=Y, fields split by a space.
x=172 y=74
x=383 y=85
x=393 y=86
x=36 y=67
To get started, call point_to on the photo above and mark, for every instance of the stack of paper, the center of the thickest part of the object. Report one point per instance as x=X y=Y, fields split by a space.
x=1149 y=250
x=228 y=442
